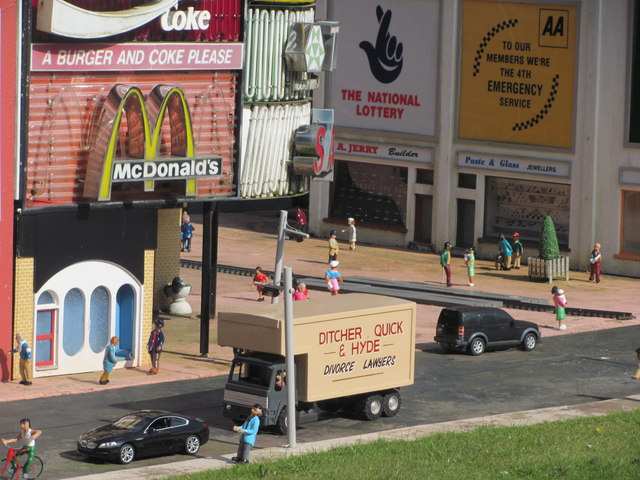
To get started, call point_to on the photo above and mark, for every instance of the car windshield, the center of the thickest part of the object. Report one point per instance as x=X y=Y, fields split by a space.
x=128 y=422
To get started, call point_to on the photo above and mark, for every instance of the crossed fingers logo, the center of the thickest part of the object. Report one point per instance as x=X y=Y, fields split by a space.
x=385 y=57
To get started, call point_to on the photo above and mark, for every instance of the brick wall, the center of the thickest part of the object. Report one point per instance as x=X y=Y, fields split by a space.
x=167 y=255
x=23 y=306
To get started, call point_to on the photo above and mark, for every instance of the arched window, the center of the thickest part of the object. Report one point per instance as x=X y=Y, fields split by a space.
x=73 y=322
x=99 y=312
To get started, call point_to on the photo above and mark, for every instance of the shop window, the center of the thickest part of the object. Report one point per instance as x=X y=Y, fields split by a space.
x=424 y=176
x=374 y=194
x=73 y=322
x=99 y=313
x=521 y=206
x=467 y=180
x=631 y=222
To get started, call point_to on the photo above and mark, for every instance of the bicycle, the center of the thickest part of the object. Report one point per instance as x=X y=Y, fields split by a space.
x=7 y=469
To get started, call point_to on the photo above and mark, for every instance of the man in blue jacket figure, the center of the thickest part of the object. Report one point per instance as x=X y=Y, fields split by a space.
x=248 y=430
x=505 y=248
x=25 y=360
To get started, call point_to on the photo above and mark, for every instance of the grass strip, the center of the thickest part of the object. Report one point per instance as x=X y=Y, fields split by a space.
x=590 y=448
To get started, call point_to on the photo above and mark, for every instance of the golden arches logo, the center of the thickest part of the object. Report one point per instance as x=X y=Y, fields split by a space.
x=143 y=141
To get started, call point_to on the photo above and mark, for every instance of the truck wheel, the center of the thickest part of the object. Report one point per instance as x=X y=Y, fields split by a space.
x=282 y=422
x=391 y=403
x=371 y=407
x=330 y=405
x=529 y=342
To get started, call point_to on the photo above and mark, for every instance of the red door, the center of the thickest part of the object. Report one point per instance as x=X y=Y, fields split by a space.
x=45 y=338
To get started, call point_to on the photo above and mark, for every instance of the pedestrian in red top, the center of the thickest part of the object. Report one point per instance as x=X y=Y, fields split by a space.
x=301 y=223
x=154 y=346
x=260 y=277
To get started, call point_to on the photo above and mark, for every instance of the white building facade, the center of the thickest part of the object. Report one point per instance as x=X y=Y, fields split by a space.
x=460 y=120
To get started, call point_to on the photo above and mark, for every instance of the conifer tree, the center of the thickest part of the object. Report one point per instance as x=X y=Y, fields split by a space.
x=549 y=249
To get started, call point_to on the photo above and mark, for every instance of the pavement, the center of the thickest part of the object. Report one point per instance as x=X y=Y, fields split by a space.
x=249 y=240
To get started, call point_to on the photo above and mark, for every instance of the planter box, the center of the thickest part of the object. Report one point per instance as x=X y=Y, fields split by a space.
x=549 y=269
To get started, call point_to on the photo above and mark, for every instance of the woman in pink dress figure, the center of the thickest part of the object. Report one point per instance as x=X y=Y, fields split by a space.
x=333 y=277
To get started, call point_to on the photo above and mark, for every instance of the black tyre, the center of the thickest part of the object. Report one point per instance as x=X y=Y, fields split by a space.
x=477 y=346
x=126 y=454
x=371 y=407
x=330 y=405
x=529 y=342
x=8 y=473
x=192 y=445
x=36 y=467
x=282 y=424
x=391 y=403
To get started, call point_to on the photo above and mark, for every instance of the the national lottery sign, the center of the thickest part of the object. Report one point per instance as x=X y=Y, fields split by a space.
x=517 y=81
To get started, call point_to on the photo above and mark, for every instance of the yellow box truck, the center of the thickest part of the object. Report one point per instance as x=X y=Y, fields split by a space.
x=352 y=352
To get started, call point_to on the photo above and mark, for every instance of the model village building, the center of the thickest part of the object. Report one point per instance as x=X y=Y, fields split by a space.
x=128 y=109
x=461 y=120
x=442 y=121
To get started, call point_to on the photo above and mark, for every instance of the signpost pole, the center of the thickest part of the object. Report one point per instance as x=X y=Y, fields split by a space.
x=289 y=357
x=279 y=251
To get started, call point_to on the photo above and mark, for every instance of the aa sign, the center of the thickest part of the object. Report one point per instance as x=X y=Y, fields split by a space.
x=517 y=78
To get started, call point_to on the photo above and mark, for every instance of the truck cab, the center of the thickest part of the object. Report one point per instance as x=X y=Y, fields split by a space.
x=256 y=378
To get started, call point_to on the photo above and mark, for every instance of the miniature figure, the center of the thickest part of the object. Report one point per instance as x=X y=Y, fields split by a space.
x=518 y=250
x=595 y=259
x=332 y=276
x=260 y=277
x=109 y=361
x=248 y=430
x=154 y=346
x=470 y=261
x=333 y=246
x=560 y=301
x=28 y=437
x=352 y=232
x=186 y=233
x=301 y=224
x=505 y=249
x=637 y=375
x=25 y=360
x=300 y=292
x=445 y=261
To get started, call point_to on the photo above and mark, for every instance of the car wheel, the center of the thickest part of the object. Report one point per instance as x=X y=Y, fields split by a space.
x=192 y=445
x=477 y=346
x=126 y=454
x=282 y=424
x=530 y=341
x=371 y=407
x=391 y=403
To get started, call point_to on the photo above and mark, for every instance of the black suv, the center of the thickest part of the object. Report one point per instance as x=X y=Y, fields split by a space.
x=478 y=328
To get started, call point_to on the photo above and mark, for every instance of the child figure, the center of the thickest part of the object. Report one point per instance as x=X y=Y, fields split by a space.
x=334 y=248
x=469 y=261
x=186 y=233
x=518 y=249
x=594 y=263
x=301 y=292
x=332 y=276
x=352 y=232
x=260 y=277
x=560 y=301
x=637 y=375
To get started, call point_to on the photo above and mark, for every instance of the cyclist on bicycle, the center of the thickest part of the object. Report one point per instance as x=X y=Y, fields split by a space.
x=28 y=437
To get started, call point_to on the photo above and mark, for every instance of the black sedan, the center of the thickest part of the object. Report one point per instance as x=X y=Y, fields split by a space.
x=145 y=433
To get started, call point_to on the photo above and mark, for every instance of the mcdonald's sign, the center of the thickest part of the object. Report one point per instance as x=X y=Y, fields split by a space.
x=139 y=162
